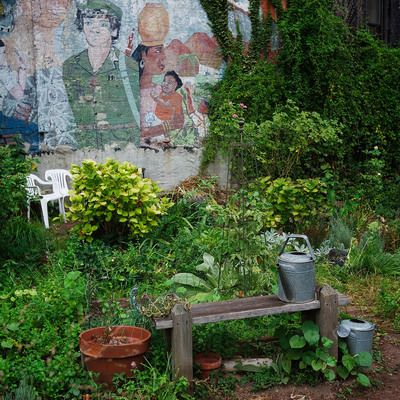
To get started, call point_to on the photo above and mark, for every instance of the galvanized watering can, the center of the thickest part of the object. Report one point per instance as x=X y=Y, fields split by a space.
x=296 y=282
x=359 y=335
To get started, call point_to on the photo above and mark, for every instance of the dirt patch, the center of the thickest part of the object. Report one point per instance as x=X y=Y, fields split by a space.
x=385 y=375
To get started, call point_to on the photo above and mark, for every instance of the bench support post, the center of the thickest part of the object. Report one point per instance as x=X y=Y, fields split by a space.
x=327 y=317
x=181 y=342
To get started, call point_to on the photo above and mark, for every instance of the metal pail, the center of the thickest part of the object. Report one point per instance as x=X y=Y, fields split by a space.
x=296 y=281
x=359 y=335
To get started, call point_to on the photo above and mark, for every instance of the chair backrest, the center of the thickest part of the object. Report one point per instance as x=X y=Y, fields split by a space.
x=59 y=179
x=32 y=188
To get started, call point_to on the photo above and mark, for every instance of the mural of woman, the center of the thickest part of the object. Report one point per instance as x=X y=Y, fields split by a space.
x=150 y=55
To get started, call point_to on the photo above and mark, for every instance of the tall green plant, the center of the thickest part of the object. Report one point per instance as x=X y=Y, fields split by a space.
x=24 y=243
x=14 y=167
x=296 y=143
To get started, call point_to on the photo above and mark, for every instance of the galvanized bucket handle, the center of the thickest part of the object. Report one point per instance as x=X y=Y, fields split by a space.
x=296 y=236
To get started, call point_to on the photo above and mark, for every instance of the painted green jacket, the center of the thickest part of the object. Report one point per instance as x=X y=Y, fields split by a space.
x=105 y=104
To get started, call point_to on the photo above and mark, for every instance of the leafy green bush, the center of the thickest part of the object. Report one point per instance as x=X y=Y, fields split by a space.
x=14 y=168
x=39 y=329
x=368 y=256
x=113 y=200
x=296 y=143
x=305 y=350
x=23 y=242
x=293 y=203
x=389 y=301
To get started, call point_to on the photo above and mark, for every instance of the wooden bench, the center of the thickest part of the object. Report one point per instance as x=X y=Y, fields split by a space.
x=324 y=310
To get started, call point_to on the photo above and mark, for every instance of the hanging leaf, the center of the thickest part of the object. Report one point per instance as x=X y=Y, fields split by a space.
x=286 y=365
x=311 y=332
x=317 y=365
x=349 y=362
x=342 y=372
x=297 y=342
x=326 y=343
x=186 y=278
x=330 y=375
x=364 y=359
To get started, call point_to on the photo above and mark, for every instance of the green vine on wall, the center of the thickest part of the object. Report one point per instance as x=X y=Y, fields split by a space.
x=232 y=47
x=217 y=12
x=260 y=31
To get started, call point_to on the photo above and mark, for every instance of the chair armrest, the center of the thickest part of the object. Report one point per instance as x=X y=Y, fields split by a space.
x=34 y=191
x=42 y=182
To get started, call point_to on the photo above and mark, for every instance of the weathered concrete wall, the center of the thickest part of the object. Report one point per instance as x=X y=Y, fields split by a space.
x=168 y=168
x=125 y=79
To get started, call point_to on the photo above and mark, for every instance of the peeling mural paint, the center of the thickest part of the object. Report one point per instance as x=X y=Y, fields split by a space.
x=96 y=73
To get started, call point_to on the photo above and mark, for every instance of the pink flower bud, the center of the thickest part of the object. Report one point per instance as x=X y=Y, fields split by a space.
x=234 y=115
x=242 y=105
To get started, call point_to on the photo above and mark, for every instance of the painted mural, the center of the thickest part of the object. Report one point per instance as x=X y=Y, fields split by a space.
x=101 y=82
x=78 y=74
x=17 y=81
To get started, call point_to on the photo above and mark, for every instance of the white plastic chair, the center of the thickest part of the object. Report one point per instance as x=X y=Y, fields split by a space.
x=59 y=179
x=35 y=193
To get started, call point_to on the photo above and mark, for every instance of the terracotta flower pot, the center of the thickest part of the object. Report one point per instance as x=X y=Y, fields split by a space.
x=122 y=351
x=208 y=362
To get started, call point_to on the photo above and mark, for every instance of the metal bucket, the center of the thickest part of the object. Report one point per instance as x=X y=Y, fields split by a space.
x=296 y=281
x=358 y=333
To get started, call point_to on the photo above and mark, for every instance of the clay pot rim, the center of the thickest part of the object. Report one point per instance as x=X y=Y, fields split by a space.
x=146 y=332
x=208 y=360
x=92 y=348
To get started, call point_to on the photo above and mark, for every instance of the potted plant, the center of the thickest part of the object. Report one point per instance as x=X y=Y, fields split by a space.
x=113 y=350
x=208 y=362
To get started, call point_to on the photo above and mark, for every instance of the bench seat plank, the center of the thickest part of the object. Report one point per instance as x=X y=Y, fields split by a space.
x=248 y=307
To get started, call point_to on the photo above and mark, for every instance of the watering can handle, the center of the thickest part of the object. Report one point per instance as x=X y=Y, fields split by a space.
x=296 y=236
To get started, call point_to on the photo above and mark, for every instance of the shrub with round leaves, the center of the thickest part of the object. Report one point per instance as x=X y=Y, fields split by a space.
x=113 y=200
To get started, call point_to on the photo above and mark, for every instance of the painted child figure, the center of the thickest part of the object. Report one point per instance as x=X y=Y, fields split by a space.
x=168 y=108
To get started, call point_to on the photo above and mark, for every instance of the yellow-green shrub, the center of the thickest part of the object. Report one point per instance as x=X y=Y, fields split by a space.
x=290 y=204
x=114 y=200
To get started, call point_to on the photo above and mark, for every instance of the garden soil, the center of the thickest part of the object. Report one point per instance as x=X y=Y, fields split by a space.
x=385 y=375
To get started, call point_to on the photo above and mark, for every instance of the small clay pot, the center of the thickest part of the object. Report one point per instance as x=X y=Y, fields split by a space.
x=208 y=362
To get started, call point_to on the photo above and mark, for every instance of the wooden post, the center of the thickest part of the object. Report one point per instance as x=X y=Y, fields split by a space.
x=181 y=342
x=311 y=315
x=327 y=317
x=167 y=336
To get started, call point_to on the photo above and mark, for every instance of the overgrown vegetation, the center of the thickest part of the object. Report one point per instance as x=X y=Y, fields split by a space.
x=343 y=95
x=322 y=123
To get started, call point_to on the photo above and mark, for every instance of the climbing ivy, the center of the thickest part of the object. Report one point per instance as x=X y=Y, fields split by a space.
x=217 y=13
x=323 y=66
